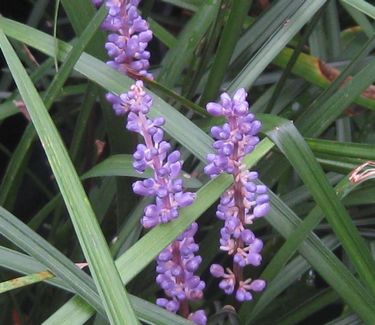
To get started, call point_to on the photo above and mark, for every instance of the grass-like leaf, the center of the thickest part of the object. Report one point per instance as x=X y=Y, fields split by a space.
x=309 y=307
x=147 y=312
x=122 y=165
x=290 y=142
x=13 y=173
x=115 y=300
x=29 y=241
x=308 y=67
x=180 y=55
x=228 y=39
x=362 y=6
x=275 y=44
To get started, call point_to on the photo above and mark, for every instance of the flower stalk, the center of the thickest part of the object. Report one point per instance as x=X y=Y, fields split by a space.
x=177 y=263
x=244 y=201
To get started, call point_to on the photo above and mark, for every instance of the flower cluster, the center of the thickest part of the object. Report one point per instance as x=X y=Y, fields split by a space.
x=176 y=266
x=128 y=42
x=244 y=201
x=177 y=263
x=165 y=184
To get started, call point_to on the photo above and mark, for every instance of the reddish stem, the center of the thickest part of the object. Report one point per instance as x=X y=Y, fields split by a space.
x=238 y=199
x=176 y=257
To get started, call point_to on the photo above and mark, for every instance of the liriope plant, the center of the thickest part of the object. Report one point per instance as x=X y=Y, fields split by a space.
x=226 y=157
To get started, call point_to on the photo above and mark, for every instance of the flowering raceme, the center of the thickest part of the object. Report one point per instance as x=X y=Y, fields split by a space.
x=127 y=43
x=165 y=184
x=177 y=263
x=244 y=201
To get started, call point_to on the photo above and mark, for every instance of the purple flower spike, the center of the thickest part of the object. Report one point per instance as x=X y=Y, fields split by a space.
x=245 y=200
x=165 y=184
x=126 y=45
x=128 y=42
x=176 y=265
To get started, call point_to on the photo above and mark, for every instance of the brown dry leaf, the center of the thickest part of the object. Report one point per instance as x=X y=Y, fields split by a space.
x=331 y=74
x=362 y=172
x=99 y=145
x=20 y=104
x=30 y=55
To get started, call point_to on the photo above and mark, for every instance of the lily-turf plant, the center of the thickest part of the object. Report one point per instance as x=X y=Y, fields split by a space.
x=187 y=162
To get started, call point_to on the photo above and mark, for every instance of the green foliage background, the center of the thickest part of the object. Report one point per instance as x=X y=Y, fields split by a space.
x=309 y=69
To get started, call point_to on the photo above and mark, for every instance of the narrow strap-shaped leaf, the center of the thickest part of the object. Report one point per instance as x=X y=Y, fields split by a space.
x=293 y=146
x=94 y=246
x=301 y=43
x=262 y=29
x=285 y=277
x=180 y=55
x=162 y=34
x=185 y=4
x=228 y=39
x=288 y=276
x=122 y=165
x=346 y=319
x=24 y=264
x=19 y=158
x=331 y=103
x=8 y=108
x=146 y=311
x=24 y=281
x=289 y=248
x=347 y=149
x=309 y=307
x=362 y=6
x=76 y=311
x=324 y=261
x=275 y=44
x=361 y=19
x=307 y=67
x=36 y=246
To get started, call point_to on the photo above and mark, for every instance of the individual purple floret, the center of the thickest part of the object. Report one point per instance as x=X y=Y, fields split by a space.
x=244 y=201
x=97 y=3
x=127 y=43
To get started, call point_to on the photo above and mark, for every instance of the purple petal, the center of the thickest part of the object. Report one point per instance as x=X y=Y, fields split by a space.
x=217 y=270
x=199 y=317
x=258 y=285
x=214 y=109
x=261 y=210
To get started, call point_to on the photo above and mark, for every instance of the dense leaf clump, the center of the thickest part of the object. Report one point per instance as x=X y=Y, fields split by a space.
x=226 y=111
